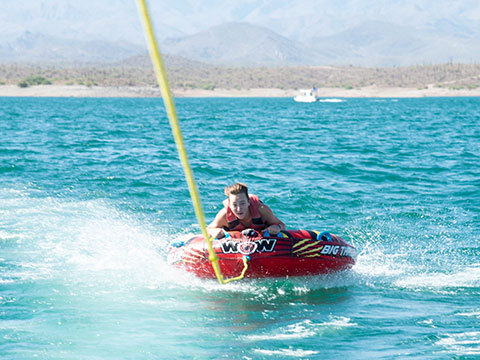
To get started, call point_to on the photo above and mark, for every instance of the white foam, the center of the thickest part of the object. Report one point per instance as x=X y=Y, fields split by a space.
x=339 y=322
x=7 y=281
x=300 y=330
x=466 y=343
x=464 y=277
x=5 y=235
x=287 y=352
x=470 y=314
x=428 y=322
x=304 y=329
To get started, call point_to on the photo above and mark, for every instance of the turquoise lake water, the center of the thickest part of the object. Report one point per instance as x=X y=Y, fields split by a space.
x=91 y=192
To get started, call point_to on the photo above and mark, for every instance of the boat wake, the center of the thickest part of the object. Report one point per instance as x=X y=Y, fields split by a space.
x=332 y=100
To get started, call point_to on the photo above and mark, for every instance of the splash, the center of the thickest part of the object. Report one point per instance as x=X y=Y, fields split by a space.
x=417 y=250
x=81 y=241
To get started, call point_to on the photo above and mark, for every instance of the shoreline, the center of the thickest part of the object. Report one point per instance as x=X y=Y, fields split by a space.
x=80 y=91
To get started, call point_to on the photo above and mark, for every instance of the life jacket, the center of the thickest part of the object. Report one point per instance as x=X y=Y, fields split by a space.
x=256 y=223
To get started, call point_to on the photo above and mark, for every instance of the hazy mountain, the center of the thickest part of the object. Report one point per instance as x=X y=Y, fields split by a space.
x=377 y=43
x=39 y=48
x=373 y=43
x=240 y=44
x=391 y=32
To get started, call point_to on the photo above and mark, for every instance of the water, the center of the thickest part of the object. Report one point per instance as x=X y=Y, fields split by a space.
x=91 y=191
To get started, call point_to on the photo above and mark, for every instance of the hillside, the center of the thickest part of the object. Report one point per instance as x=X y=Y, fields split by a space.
x=187 y=74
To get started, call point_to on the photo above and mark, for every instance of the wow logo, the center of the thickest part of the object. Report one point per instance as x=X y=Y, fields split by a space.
x=248 y=247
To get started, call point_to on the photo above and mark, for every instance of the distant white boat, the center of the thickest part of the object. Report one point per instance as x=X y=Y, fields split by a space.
x=306 y=96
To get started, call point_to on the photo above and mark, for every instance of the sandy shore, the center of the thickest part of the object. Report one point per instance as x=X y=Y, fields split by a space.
x=97 y=91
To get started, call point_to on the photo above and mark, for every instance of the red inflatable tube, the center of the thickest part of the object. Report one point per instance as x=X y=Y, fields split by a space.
x=289 y=253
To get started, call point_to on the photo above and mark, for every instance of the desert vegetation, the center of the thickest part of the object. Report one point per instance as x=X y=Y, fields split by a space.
x=192 y=75
x=34 y=80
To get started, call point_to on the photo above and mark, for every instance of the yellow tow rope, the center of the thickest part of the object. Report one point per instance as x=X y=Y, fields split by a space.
x=177 y=135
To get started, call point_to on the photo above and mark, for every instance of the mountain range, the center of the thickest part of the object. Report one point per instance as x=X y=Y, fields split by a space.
x=245 y=33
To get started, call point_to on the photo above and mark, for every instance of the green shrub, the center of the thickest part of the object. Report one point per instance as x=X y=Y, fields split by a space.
x=34 y=80
x=207 y=86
